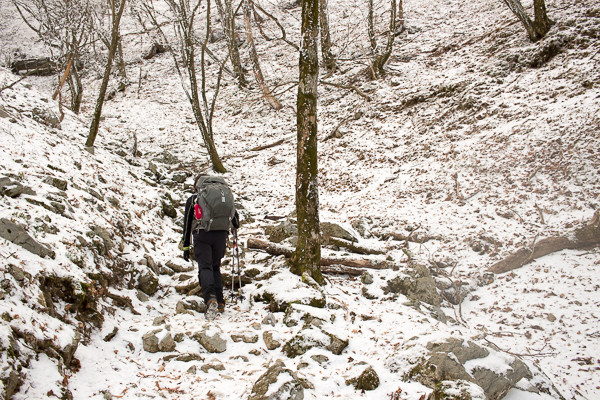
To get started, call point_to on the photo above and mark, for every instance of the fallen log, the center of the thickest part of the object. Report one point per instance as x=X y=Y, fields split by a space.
x=353 y=247
x=341 y=269
x=585 y=237
x=35 y=66
x=279 y=250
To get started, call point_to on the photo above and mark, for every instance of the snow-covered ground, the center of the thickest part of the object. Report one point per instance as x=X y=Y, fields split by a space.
x=463 y=140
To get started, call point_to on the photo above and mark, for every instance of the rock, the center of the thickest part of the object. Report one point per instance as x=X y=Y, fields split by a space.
x=459 y=389
x=12 y=384
x=310 y=315
x=17 y=235
x=269 y=319
x=454 y=360
x=96 y=194
x=167 y=344
x=211 y=338
x=158 y=321
x=152 y=167
x=367 y=380
x=215 y=364
x=439 y=314
x=142 y=296
x=103 y=233
x=179 y=337
x=285 y=382
x=279 y=301
x=320 y=358
x=187 y=357
x=167 y=271
x=271 y=343
x=169 y=210
x=148 y=283
x=151 y=341
x=256 y=326
x=169 y=158
x=361 y=226
x=45 y=116
x=311 y=337
x=186 y=306
x=69 y=350
x=283 y=230
x=246 y=337
x=16 y=273
x=184 y=277
x=366 y=278
x=330 y=229
x=255 y=352
x=551 y=317
x=179 y=268
x=57 y=183
x=151 y=264
x=415 y=283
x=179 y=177
x=192 y=370
x=114 y=202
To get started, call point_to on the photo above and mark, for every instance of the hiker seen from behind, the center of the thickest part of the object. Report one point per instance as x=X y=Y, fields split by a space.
x=209 y=215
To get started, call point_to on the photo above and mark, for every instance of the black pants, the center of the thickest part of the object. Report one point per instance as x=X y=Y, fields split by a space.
x=209 y=249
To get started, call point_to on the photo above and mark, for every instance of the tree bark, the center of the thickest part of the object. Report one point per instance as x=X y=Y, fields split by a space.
x=382 y=57
x=371 y=27
x=111 y=55
x=76 y=90
x=400 y=26
x=328 y=57
x=228 y=22
x=308 y=249
x=536 y=29
x=581 y=238
x=273 y=102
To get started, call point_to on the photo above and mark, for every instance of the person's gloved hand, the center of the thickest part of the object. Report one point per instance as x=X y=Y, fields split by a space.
x=235 y=221
x=186 y=255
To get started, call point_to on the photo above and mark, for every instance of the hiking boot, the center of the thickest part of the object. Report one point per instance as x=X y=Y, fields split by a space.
x=211 y=309
x=221 y=307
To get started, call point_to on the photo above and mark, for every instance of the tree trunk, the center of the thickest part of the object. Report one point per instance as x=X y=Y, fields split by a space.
x=541 y=23
x=121 y=66
x=382 y=57
x=371 y=28
x=535 y=29
x=111 y=55
x=308 y=249
x=273 y=102
x=400 y=26
x=76 y=90
x=328 y=57
x=228 y=22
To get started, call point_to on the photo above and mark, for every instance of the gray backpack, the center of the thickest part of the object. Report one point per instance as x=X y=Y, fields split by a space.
x=213 y=205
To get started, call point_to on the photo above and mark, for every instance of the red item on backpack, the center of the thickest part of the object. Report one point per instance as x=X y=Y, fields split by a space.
x=198 y=211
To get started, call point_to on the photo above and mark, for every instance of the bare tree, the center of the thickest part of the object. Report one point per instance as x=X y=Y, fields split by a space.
x=112 y=49
x=307 y=257
x=541 y=24
x=260 y=79
x=328 y=58
x=183 y=19
x=65 y=27
x=400 y=24
x=381 y=55
x=228 y=21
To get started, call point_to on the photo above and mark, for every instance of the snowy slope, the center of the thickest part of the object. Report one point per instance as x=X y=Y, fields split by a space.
x=470 y=138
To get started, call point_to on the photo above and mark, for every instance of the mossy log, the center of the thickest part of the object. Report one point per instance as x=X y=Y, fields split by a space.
x=581 y=238
x=279 y=250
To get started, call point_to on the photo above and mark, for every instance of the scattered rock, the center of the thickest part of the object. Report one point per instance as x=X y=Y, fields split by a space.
x=167 y=271
x=169 y=210
x=179 y=268
x=256 y=326
x=17 y=235
x=415 y=283
x=167 y=344
x=151 y=264
x=246 y=337
x=283 y=230
x=150 y=341
x=142 y=296
x=330 y=229
x=288 y=386
x=311 y=337
x=158 y=321
x=255 y=352
x=211 y=338
x=320 y=358
x=455 y=360
x=148 y=282
x=16 y=272
x=179 y=177
x=56 y=182
x=271 y=343
x=367 y=380
x=186 y=306
x=103 y=233
x=192 y=370
x=269 y=319
x=366 y=278
x=215 y=364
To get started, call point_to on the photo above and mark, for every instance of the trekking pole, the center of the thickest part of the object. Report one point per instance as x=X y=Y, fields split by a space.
x=233 y=246
x=239 y=269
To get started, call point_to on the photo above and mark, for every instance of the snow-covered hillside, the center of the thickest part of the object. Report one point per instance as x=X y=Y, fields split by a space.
x=476 y=144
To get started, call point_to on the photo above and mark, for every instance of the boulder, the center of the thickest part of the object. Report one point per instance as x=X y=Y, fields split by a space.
x=211 y=338
x=415 y=283
x=56 y=182
x=148 y=282
x=330 y=229
x=186 y=306
x=455 y=360
x=150 y=341
x=312 y=337
x=17 y=235
x=279 y=300
x=103 y=233
x=179 y=177
x=278 y=382
x=167 y=344
x=169 y=210
x=367 y=380
x=285 y=229
x=270 y=342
